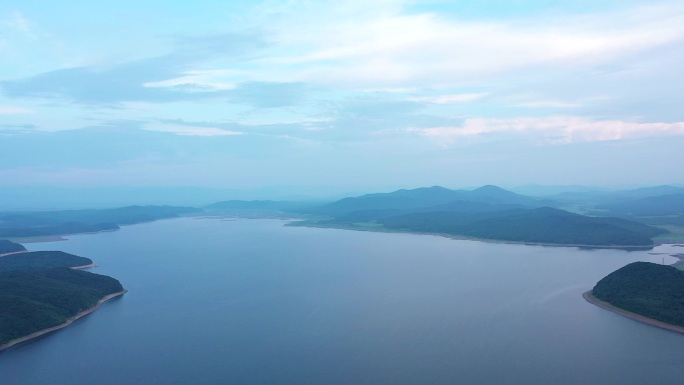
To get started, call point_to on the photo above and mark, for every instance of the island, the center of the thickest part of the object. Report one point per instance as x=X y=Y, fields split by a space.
x=44 y=291
x=643 y=291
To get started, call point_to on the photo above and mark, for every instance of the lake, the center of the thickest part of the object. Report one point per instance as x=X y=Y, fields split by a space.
x=221 y=301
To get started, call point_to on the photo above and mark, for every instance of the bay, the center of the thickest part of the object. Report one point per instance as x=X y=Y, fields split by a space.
x=216 y=301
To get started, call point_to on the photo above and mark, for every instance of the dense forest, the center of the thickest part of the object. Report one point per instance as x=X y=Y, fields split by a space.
x=10 y=247
x=542 y=225
x=41 y=260
x=33 y=301
x=39 y=290
x=652 y=290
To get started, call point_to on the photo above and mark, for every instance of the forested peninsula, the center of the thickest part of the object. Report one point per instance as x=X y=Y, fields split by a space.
x=41 y=292
x=8 y=247
x=644 y=291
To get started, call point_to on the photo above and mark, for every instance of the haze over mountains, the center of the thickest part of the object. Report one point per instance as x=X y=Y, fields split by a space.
x=488 y=212
x=46 y=223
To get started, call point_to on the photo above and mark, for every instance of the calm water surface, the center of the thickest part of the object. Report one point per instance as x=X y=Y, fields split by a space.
x=254 y=302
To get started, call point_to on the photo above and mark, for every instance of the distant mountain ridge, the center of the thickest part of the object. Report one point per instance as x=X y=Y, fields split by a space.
x=430 y=196
x=670 y=204
x=488 y=212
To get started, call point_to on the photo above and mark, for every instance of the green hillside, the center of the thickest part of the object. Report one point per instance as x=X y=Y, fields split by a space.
x=542 y=225
x=33 y=301
x=652 y=290
x=488 y=212
x=41 y=260
x=10 y=247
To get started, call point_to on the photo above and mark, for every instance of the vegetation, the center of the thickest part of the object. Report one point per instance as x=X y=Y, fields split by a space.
x=488 y=212
x=648 y=289
x=542 y=225
x=41 y=260
x=37 y=300
x=10 y=247
x=44 y=223
x=38 y=290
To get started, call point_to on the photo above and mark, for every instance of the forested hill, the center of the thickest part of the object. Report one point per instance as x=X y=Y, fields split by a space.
x=427 y=197
x=41 y=260
x=488 y=212
x=648 y=289
x=34 y=301
x=39 y=290
x=542 y=225
x=45 y=223
x=10 y=247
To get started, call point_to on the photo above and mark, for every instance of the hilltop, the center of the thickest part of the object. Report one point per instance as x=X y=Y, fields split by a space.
x=647 y=289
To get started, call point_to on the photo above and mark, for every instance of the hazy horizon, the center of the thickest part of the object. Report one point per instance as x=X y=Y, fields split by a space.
x=17 y=198
x=340 y=97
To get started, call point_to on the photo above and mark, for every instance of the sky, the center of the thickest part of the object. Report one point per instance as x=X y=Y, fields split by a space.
x=341 y=95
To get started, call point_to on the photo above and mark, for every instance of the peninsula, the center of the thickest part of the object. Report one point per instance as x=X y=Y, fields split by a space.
x=643 y=291
x=44 y=291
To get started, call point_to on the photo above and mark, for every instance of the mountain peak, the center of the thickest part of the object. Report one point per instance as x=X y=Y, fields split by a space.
x=491 y=189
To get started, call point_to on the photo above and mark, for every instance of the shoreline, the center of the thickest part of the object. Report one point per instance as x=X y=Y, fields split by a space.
x=68 y=322
x=465 y=238
x=61 y=236
x=589 y=297
x=84 y=266
x=14 y=252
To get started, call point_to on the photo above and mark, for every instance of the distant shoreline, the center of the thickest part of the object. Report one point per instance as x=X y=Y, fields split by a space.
x=465 y=238
x=60 y=237
x=68 y=322
x=589 y=297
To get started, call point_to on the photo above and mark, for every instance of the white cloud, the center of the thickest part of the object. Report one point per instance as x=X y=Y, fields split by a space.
x=451 y=99
x=188 y=130
x=547 y=104
x=556 y=129
x=9 y=110
x=384 y=47
x=209 y=80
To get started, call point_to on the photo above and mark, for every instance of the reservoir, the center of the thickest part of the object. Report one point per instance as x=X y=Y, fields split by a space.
x=252 y=301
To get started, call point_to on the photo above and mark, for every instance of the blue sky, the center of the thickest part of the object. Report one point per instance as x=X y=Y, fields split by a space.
x=346 y=95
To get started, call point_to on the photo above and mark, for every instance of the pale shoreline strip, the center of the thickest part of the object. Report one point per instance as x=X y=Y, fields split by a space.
x=83 y=267
x=68 y=322
x=589 y=297
x=14 y=252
